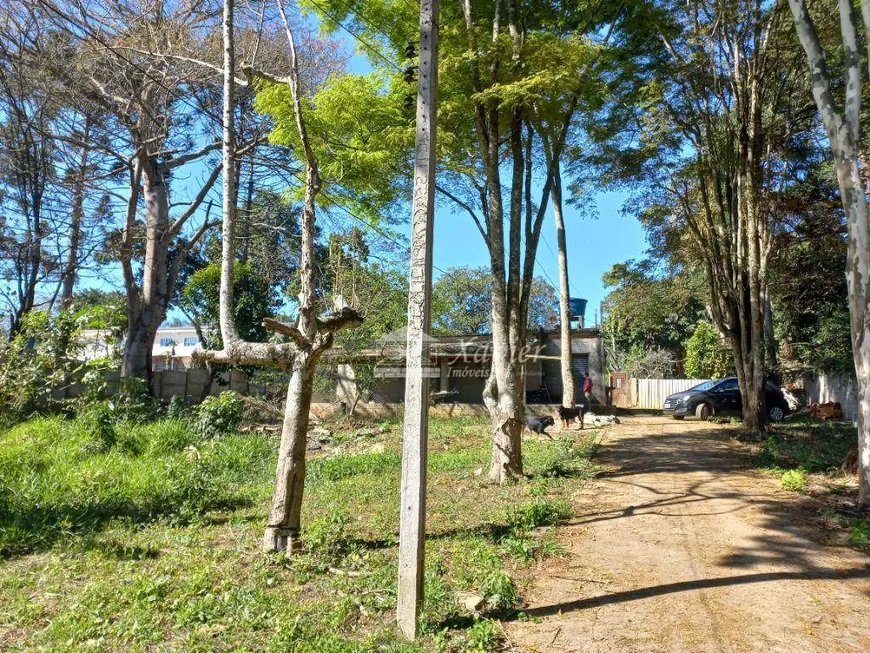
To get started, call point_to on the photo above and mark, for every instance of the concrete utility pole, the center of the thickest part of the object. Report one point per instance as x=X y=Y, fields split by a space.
x=412 y=527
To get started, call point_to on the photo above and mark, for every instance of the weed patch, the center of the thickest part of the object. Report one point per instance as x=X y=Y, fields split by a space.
x=150 y=539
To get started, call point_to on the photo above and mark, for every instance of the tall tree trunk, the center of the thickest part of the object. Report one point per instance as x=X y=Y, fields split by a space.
x=568 y=391
x=843 y=129
x=154 y=299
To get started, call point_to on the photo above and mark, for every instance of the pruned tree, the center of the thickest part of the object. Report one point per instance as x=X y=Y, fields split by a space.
x=842 y=122
x=311 y=336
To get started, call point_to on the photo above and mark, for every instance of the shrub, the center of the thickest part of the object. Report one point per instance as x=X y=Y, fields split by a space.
x=96 y=424
x=860 y=534
x=219 y=416
x=42 y=355
x=178 y=408
x=540 y=512
x=794 y=480
x=706 y=356
x=499 y=591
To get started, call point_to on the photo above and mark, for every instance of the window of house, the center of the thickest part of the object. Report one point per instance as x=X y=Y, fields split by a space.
x=190 y=341
x=165 y=342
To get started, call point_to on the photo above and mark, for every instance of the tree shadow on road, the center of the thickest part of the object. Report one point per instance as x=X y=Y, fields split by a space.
x=712 y=478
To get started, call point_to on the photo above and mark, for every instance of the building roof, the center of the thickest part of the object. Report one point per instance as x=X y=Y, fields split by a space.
x=474 y=348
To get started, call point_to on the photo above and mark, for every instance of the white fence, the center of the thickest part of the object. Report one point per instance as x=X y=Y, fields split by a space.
x=835 y=388
x=650 y=393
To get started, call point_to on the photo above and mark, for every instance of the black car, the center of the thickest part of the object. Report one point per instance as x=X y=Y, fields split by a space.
x=721 y=397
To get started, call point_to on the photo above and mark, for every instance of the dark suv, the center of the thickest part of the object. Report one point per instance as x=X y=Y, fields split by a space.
x=719 y=397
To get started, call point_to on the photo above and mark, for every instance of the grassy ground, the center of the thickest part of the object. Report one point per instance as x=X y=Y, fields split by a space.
x=808 y=455
x=148 y=539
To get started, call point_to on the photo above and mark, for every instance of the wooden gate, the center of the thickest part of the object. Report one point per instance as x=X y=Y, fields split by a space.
x=619 y=390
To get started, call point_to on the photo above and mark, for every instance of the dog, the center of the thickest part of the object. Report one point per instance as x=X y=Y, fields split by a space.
x=539 y=424
x=568 y=414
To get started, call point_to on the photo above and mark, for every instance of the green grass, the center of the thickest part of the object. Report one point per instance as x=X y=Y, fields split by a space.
x=794 y=480
x=145 y=537
x=808 y=455
x=811 y=445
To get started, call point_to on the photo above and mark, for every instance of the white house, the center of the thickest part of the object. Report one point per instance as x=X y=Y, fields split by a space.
x=173 y=346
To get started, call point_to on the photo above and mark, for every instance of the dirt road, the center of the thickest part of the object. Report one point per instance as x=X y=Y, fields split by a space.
x=679 y=546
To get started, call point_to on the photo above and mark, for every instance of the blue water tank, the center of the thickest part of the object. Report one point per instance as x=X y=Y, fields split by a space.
x=578 y=308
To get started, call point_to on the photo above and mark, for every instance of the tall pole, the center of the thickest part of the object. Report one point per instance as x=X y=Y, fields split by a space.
x=412 y=519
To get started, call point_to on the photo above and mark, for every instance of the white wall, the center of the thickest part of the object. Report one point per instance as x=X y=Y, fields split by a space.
x=835 y=388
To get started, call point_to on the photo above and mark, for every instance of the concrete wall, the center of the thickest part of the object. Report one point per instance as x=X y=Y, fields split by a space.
x=835 y=388
x=593 y=350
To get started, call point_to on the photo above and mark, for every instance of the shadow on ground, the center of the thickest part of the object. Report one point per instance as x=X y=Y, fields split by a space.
x=714 y=478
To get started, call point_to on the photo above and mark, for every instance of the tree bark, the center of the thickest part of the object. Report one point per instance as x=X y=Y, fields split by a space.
x=283 y=527
x=309 y=338
x=154 y=296
x=843 y=129
x=568 y=391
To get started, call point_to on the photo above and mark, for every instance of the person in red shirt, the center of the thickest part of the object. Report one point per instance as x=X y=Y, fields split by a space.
x=587 y=389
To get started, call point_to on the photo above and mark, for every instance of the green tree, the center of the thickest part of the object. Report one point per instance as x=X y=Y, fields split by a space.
x=807 y=284
x=255 y=301
x=462 y=302
x=515 y=78
x=706 y=355
x=649 y=310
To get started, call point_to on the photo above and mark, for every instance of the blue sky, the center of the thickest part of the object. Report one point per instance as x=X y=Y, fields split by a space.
x=594 y=245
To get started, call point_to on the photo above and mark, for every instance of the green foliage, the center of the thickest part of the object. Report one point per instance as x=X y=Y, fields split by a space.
x=178 y=408
x=539 y=512
x=462 y=302
x=359 y=133
x=860 y=534
x=43 y=354
x=140 y=545
x=649 y=316
x=499 y=592
x=794 y=480
x=343 y=466
x=813 y=446
x=254 y=299
x=97 y=423
x=219 y=416
x=807 y=283
x=72 y=479
x=706 y=356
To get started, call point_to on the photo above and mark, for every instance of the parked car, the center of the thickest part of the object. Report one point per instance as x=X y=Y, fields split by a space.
x=721 y=397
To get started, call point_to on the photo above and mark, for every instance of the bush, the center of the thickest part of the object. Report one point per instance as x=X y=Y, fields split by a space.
x=499 y=591
x=860 y=534
x=540 y=512
x=219 y=416
x=96 y=423
x=41 y=356
x=794 y=480
x=706 y=356
x=178 y=408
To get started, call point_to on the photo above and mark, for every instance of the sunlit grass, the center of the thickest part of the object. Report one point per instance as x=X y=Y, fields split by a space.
x=152 y=541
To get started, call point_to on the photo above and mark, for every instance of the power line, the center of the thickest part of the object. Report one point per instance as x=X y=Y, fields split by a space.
x=365 y=43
